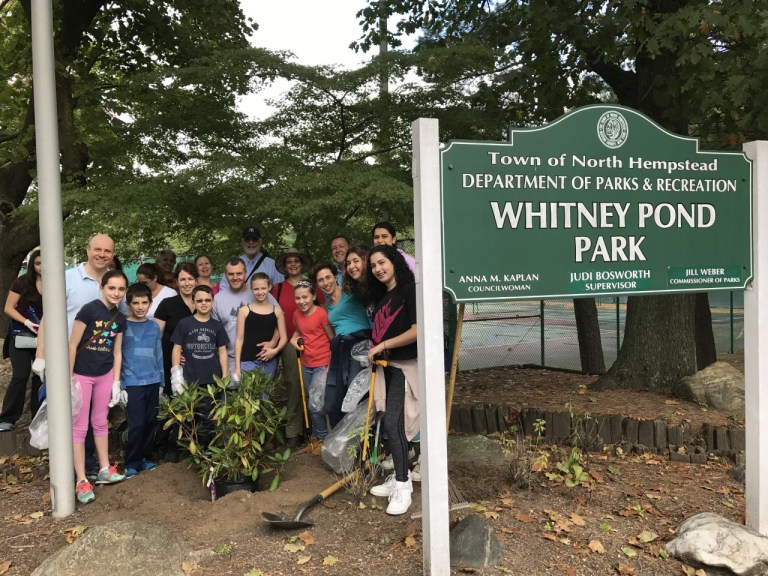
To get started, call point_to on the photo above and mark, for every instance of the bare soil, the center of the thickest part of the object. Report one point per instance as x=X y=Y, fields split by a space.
x=614 y=522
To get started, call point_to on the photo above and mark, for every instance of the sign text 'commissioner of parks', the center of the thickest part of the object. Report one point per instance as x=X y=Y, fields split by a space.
x=601 y=201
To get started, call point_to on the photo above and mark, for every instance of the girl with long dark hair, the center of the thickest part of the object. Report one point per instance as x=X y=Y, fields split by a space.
x=391 y=289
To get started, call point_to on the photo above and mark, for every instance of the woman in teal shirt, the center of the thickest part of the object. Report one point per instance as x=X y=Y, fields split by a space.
x=347 y=315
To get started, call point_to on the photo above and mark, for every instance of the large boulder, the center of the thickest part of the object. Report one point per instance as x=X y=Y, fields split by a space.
x=720 y=546
x=719 y=385
x=122 y=548
x=473 y=544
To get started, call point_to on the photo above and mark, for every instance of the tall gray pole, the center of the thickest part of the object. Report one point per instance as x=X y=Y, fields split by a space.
x=52 y=256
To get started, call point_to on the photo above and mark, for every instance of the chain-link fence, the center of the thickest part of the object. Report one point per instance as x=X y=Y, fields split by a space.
x=543 y=332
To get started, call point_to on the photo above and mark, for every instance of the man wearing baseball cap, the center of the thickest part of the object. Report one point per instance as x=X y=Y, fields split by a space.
x=255 y=260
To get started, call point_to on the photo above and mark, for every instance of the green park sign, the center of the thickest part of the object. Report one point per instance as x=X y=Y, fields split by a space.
x=602 y=201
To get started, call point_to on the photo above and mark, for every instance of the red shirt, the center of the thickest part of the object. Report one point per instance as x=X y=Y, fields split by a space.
x=317 y=346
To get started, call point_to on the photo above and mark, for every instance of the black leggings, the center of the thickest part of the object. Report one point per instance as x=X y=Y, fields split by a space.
x=394 y=421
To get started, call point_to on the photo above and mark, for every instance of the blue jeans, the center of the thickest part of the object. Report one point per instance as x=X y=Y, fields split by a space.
x=314 y=385
x=269 y=368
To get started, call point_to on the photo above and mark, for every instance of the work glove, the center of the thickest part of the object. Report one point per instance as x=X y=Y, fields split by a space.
x=177 y=380
x=31 y=326
x=38 y=366
x=118 y=396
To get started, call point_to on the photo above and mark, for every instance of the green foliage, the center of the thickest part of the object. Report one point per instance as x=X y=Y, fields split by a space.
x=228 y=432
x=694 y=67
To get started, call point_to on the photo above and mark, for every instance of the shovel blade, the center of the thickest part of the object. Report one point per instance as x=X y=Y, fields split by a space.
x=281 y=521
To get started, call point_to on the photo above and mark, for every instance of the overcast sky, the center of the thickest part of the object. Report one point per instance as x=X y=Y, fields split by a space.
x=316 y=31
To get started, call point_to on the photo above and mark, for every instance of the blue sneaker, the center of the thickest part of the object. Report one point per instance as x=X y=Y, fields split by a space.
x=147 y=465
x=130 y=472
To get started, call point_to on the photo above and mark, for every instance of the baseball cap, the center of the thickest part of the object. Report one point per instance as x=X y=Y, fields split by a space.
x=251 y=232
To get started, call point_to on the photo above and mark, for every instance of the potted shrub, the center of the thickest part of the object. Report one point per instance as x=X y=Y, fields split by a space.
x=230 y=435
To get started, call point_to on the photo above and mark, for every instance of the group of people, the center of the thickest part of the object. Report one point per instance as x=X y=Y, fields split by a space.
x=131 y=343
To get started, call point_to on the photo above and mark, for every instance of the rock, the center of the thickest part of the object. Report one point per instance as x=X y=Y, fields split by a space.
x=121 y=548
x=474 y=448
x=710 y=541
x=473 y=544
x=719 y=385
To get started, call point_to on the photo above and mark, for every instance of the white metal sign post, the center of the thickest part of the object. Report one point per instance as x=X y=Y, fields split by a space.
x=756 y=347
x=429 y=302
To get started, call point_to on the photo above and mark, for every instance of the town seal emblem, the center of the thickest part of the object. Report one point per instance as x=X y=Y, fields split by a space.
x=612 y=129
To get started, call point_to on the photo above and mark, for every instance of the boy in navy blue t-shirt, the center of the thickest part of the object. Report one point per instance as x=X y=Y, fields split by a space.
x=203 y=343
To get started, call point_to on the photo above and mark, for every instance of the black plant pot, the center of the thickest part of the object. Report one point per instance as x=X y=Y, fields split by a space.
x=224 y=487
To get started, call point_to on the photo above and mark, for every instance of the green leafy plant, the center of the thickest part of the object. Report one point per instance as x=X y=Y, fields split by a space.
x=229 y=433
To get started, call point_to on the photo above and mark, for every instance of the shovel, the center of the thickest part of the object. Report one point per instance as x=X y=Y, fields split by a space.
x=282 y=520
x=301 y=382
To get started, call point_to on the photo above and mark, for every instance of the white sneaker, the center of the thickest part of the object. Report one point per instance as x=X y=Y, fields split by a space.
x=386 y=488
x=416 y=472
x=400 y=499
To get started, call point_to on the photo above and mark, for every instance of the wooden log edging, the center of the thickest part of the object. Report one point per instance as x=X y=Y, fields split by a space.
x=640 y=435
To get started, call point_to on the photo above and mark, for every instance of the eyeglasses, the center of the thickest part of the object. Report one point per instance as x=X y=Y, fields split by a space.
x=204 y=301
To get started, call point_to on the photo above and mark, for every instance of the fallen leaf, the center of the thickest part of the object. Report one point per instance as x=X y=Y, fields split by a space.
x=628 y=552
x=330 y=560
x=491 y=515
x=303 y=559
x=253 y=572
x=361 y=505
x=188 y=567
x=577 y=520
x=570 y=571
x=549 y=536
x=596 y=546
x=36 y=515
x=478 y=507
x=412 y=528
x=671 y=402
x=409 y=541
x=5 y=566
x=307 y=538
x=507 y=502
x=647 y=536
x=627 y=570
x=524 y=518
x=293 y=547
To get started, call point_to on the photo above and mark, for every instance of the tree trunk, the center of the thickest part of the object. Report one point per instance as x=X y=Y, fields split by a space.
x=659 y=345
x=706 y=352
x=588 y=330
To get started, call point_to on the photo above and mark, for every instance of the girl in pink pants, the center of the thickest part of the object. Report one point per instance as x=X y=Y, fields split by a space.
x=94 y=357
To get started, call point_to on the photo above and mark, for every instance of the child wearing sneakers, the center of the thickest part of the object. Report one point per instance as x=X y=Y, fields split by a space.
x=312 y=326
x=391 y=288
x=141 y=376
x=95 y=360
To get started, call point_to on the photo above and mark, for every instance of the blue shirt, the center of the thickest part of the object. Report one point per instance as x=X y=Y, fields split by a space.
x=81 y=289
x=142 y=354
x=348 y=316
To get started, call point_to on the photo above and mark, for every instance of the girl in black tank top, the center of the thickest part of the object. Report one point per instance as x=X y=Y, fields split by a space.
x=261 y=331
